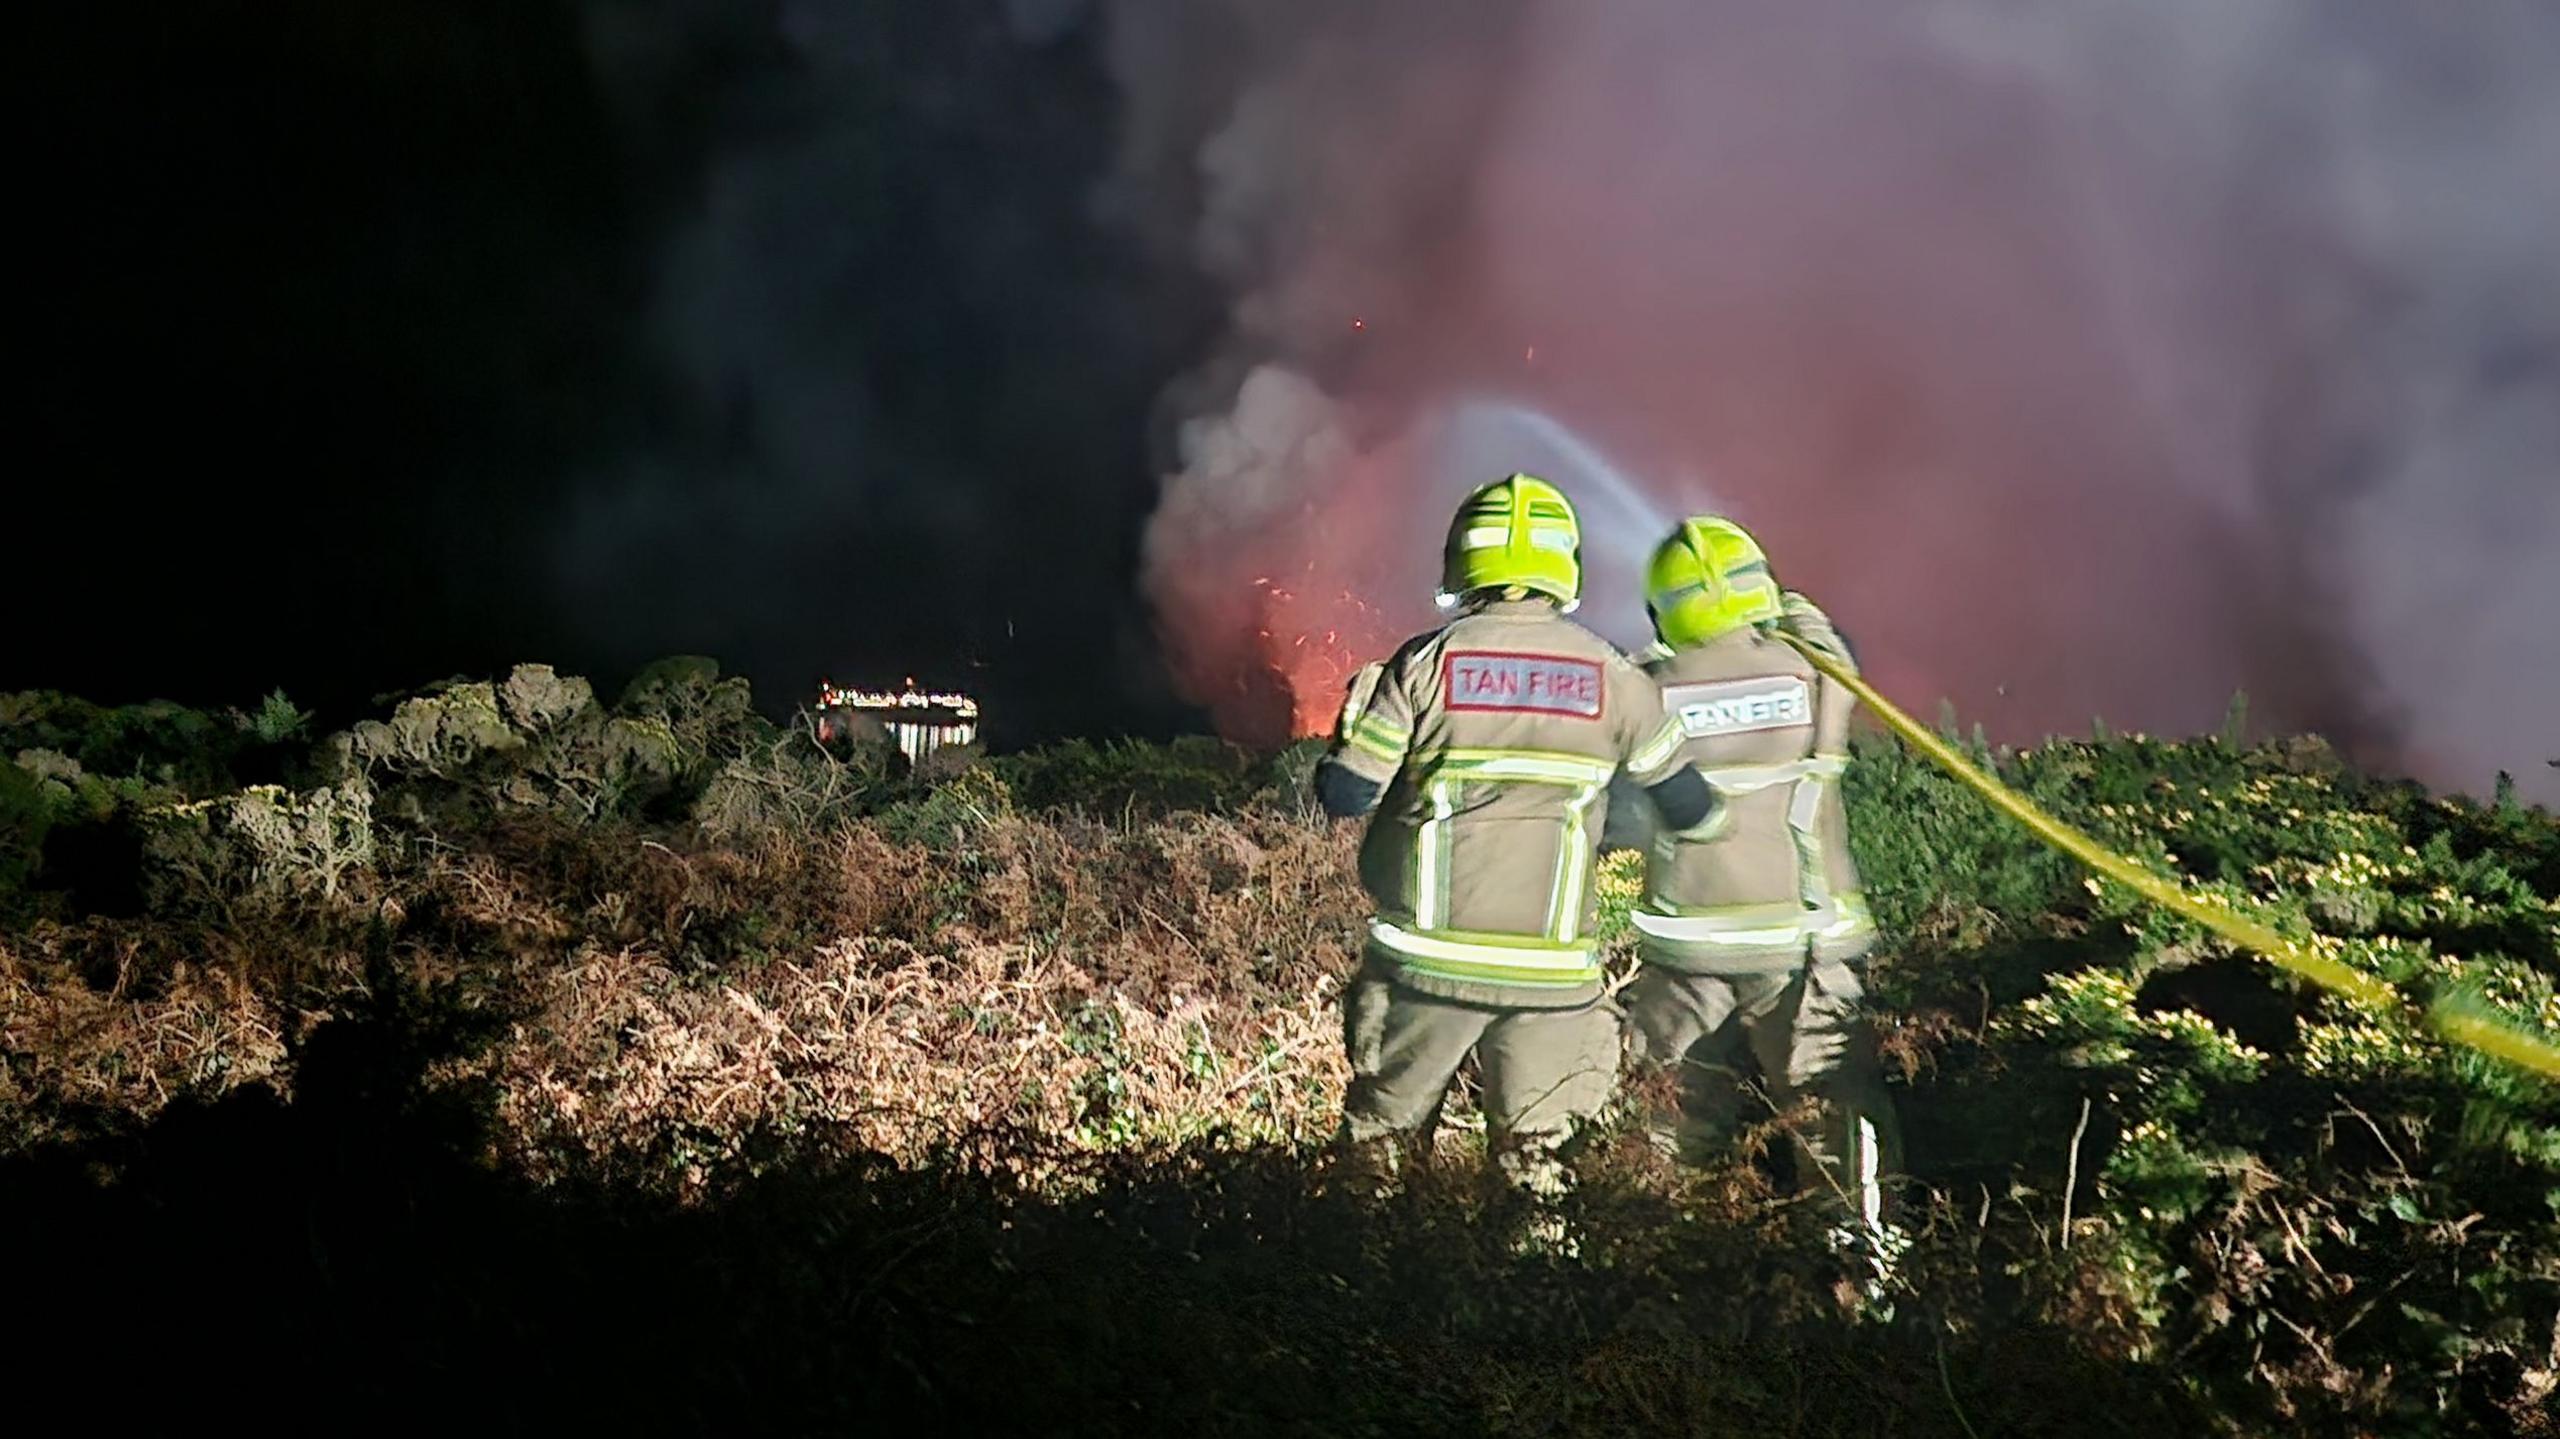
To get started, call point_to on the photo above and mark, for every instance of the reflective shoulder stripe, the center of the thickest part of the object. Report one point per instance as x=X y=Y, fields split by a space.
x=1657 y=751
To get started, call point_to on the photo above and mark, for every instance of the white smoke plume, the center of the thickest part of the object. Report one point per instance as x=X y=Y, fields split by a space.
x=2088 y=358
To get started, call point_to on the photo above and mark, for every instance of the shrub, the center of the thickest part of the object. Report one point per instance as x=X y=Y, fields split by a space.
x=792 y=783
x=2265 y=1208
x=698 y=954
x=24 y=818
x=261 y=843
x=158 y=743
x=455 y=755
x=278 y=721
x=1130 y=778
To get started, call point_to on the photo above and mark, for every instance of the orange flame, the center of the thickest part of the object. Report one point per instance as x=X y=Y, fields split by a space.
x=1315 y=645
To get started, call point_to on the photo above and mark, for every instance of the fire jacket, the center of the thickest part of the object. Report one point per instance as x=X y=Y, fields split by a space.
x=1770 y=881
x=1489 y=746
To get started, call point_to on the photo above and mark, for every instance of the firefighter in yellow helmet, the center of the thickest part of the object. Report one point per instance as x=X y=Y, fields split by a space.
x=1753 y=931
x=1484 y=752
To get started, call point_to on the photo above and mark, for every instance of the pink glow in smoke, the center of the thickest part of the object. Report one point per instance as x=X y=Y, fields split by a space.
x=2092 y=365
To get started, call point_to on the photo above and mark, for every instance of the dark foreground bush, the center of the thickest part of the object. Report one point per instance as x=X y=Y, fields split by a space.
x=541 y=1060
x=347 y=1259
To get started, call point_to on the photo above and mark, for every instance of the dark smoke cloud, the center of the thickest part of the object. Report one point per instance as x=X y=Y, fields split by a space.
x=904 y=382
x=2088 y=359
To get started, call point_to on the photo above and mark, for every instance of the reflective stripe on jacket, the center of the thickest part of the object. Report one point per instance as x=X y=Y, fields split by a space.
x=1496 y=738
x=1772 y=881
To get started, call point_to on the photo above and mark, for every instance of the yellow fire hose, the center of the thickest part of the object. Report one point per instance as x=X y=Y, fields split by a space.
x=2454 y=1023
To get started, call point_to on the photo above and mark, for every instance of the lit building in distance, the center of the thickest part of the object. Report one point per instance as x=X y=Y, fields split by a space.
x=916 y=721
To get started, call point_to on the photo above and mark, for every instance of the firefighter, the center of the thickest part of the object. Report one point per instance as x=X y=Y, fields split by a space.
x=1753 y=932
x=1484 y=751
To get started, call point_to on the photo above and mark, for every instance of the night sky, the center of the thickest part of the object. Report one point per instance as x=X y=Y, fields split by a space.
x=361 y=360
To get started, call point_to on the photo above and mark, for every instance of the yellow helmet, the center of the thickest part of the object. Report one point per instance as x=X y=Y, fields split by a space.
x=1708 y=579
x=1519 y=532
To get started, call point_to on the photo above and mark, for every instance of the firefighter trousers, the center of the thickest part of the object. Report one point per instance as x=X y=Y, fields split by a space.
x=1544 y=1070
x=1803 y=1032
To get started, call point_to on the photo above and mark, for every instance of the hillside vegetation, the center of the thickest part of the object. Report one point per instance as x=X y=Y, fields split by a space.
x=520 y=1058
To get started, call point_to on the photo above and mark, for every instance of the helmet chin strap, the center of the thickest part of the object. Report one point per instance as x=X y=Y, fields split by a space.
x=1445 y=601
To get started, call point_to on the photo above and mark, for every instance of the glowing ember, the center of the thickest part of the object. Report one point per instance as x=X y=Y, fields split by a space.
x=1323 y=569
x=1314 y=643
